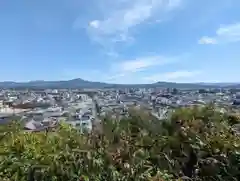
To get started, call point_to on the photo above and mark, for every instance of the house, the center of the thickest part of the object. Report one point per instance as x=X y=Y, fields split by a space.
x=7 y=118
x=44 y=124
x=50 y=122
x=33 y=125
x=4 y=119
x=86 y=122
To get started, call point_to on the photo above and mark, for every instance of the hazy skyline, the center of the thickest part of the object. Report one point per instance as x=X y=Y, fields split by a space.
x=137 y=41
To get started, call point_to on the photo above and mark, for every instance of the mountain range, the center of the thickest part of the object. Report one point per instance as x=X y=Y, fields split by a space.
x=80 y=83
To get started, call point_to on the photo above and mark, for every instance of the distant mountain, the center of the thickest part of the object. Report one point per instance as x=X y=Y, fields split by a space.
x=80 y=83
x=235 y=86
x=75 y=83
x=221 y=84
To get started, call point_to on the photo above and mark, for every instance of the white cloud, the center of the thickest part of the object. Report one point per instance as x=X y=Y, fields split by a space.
x=225 y=34
x=94 y=24
x=112 y=53
x=119 y=17
x=174 y=3
x=207 y=40
x=124 y=71
x=136 y=65
x=114 y=77
x=176 y=76
x=132 y=70
x=140 y=64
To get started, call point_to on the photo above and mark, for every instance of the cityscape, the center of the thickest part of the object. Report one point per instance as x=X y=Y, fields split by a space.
x=41 y=109
x=69 y=129
x=119 y=90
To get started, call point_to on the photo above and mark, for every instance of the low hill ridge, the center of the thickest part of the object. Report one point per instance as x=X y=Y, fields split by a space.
x=81 y=83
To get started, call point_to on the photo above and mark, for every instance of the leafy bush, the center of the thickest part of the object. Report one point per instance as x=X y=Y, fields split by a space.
x=195 y=143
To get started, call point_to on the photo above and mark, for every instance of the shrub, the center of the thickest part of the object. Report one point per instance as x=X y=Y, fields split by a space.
x=195 y=143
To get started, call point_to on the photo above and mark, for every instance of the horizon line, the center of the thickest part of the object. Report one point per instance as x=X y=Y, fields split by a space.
x=161 y=81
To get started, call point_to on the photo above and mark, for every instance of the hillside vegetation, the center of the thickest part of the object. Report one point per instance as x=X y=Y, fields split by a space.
x=194 y=144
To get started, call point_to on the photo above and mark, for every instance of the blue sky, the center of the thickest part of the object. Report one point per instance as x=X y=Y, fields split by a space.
x=120 y=41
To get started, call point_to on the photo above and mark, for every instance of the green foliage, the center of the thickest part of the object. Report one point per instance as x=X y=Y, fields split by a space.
x=195 y=143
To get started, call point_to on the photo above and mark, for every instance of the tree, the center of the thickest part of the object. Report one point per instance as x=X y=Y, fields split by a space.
x=194 y=142
x=174 y=91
